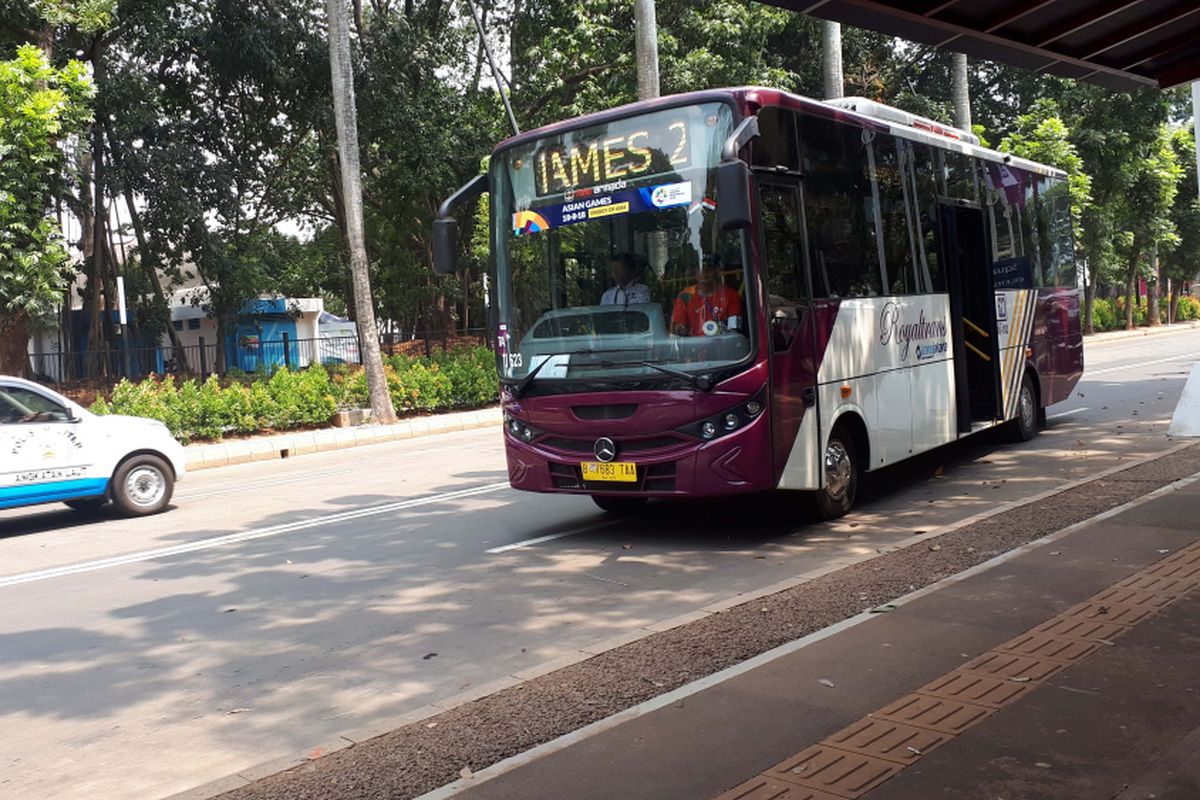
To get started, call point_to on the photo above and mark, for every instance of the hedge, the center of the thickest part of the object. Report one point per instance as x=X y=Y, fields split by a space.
x=1109 y=315
x=463 y=378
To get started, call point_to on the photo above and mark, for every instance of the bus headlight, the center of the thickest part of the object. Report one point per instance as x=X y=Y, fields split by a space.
x=753 y=408
x=731 y=421
x=708 y=430
x=519 y=429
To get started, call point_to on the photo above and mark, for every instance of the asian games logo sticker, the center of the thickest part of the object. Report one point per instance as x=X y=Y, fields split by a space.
x=671 y=194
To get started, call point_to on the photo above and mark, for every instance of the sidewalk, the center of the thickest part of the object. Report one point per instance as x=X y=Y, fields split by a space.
x=1063 y=670
x=1137 y=333
x=286 y=445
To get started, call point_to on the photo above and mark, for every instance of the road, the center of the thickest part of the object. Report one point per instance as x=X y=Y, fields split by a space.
x=281 y=604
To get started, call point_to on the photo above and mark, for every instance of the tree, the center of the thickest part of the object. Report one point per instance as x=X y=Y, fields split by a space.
x=347 y=134
x=1182 y=263
x=40 y=108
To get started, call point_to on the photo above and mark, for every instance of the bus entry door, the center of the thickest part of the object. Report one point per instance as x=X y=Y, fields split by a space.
x=973 y=314
x=789 y=315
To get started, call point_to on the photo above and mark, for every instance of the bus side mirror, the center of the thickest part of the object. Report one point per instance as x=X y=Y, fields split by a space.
x=445 y=246
x=733 y=195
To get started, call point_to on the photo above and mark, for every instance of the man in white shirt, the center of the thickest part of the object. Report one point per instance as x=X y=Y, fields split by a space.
x=626 y=289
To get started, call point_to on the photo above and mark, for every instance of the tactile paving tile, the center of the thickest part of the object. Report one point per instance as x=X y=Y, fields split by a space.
x=1174 y=587
x=1174 y=569
x=1043 y=645
x=1132 y=597
x=887 y=739
x=760 y=787
x=1188 y=555
x=1119 y=613
x=1013 y=667
x=1078 y=628
x=971 y=687
x=836 y=771
x=935 y=713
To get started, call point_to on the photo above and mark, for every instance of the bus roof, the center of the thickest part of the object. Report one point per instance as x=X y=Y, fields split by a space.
x=854 y=110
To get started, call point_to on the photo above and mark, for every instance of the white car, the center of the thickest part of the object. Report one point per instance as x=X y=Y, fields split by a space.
x=54 y=450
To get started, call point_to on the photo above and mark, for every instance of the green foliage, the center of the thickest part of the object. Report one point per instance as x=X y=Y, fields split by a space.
x=40 y=106
x=193 y=410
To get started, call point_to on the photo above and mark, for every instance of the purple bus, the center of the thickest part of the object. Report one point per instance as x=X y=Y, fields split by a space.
x=731 y=291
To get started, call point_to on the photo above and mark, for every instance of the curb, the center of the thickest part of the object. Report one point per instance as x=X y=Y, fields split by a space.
x=1137 y=333
x=352 y=737
x=286 y=445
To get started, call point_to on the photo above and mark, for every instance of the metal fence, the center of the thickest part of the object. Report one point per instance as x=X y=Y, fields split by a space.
x=250 y=355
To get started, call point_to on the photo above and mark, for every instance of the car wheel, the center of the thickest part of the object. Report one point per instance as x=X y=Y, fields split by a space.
x=87 y=505
x=840 y=463
x=619 y=505
x=1025 y=426
x=143 y=485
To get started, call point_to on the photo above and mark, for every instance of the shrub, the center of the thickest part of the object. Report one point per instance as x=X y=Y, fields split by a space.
x=459 y=379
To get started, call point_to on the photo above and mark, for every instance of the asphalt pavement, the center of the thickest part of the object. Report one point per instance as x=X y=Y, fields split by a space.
x=282 y=604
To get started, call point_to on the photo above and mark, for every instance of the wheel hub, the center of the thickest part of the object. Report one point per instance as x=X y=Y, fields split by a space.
x=838 y=469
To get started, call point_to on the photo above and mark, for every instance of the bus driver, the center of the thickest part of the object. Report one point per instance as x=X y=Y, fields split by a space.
x=709 y=306
x=626 y=288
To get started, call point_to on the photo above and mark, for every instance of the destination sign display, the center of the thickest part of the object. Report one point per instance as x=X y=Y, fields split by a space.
x=631 y=150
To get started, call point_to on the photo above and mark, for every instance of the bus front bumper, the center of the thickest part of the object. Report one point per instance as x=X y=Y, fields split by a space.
x=737 y=462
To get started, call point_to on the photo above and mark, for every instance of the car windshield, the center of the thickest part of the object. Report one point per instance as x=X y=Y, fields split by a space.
x=609 y=263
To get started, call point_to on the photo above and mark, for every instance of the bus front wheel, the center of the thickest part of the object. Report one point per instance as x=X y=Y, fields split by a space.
x=619 y=505
x=840 y=464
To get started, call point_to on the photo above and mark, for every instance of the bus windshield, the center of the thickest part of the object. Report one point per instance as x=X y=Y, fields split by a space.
x=609 y=263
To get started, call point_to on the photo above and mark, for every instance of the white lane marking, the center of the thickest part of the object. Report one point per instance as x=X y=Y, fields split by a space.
x=1106 y=370
x=549 y=537
x=1061 y=414
x=245 y=536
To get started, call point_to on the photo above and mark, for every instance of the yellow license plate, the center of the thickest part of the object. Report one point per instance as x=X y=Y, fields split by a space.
x=616 y=471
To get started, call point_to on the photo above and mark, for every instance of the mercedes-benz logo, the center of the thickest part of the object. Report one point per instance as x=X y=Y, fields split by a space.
x=605 y=449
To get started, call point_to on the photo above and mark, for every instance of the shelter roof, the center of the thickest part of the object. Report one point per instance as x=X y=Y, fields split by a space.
x=1118 y=44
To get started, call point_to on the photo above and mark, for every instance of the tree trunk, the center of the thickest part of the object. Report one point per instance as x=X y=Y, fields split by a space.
x=646 y=33
x=347 y=133
x=1089 y=304
x=961 y=92
x=1152 y=287
x=1173 y=301
x=831 y=59
x=14 y=343
x=1131 y=293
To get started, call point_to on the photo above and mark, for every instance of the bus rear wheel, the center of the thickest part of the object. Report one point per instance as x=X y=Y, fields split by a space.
x=619 y=505
x=840 y=464
x=1025 y=426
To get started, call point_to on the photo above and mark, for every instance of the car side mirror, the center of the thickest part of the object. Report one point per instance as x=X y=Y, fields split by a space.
x=733 y=195
x=445 y=246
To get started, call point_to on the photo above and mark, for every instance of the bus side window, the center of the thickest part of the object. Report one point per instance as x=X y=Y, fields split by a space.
x=924 y=176
x=1054 y=222
x=838 y=210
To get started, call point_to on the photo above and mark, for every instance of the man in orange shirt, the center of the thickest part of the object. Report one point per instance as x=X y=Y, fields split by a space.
x=708 y=307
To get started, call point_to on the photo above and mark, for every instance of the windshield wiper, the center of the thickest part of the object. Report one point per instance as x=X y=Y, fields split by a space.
x=525 y=382
x=702 y=382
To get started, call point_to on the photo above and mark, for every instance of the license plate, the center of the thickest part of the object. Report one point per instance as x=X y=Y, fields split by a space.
x=615 y=471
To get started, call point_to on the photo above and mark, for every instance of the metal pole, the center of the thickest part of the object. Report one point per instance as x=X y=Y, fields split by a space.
x=646 y=36
x=961 y=91
x=287 y=353
x=203 y=361
x=1196 y=126
x=487 y=49
x=831 y=59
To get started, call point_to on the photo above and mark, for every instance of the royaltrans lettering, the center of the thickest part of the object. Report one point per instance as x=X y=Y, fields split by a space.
x=894 y=329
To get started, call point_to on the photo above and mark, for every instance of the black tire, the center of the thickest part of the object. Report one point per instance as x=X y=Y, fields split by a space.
x=87 y=505
x=143 y=485
x=1025 y=426
x=840 y=463
x=619 y=505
